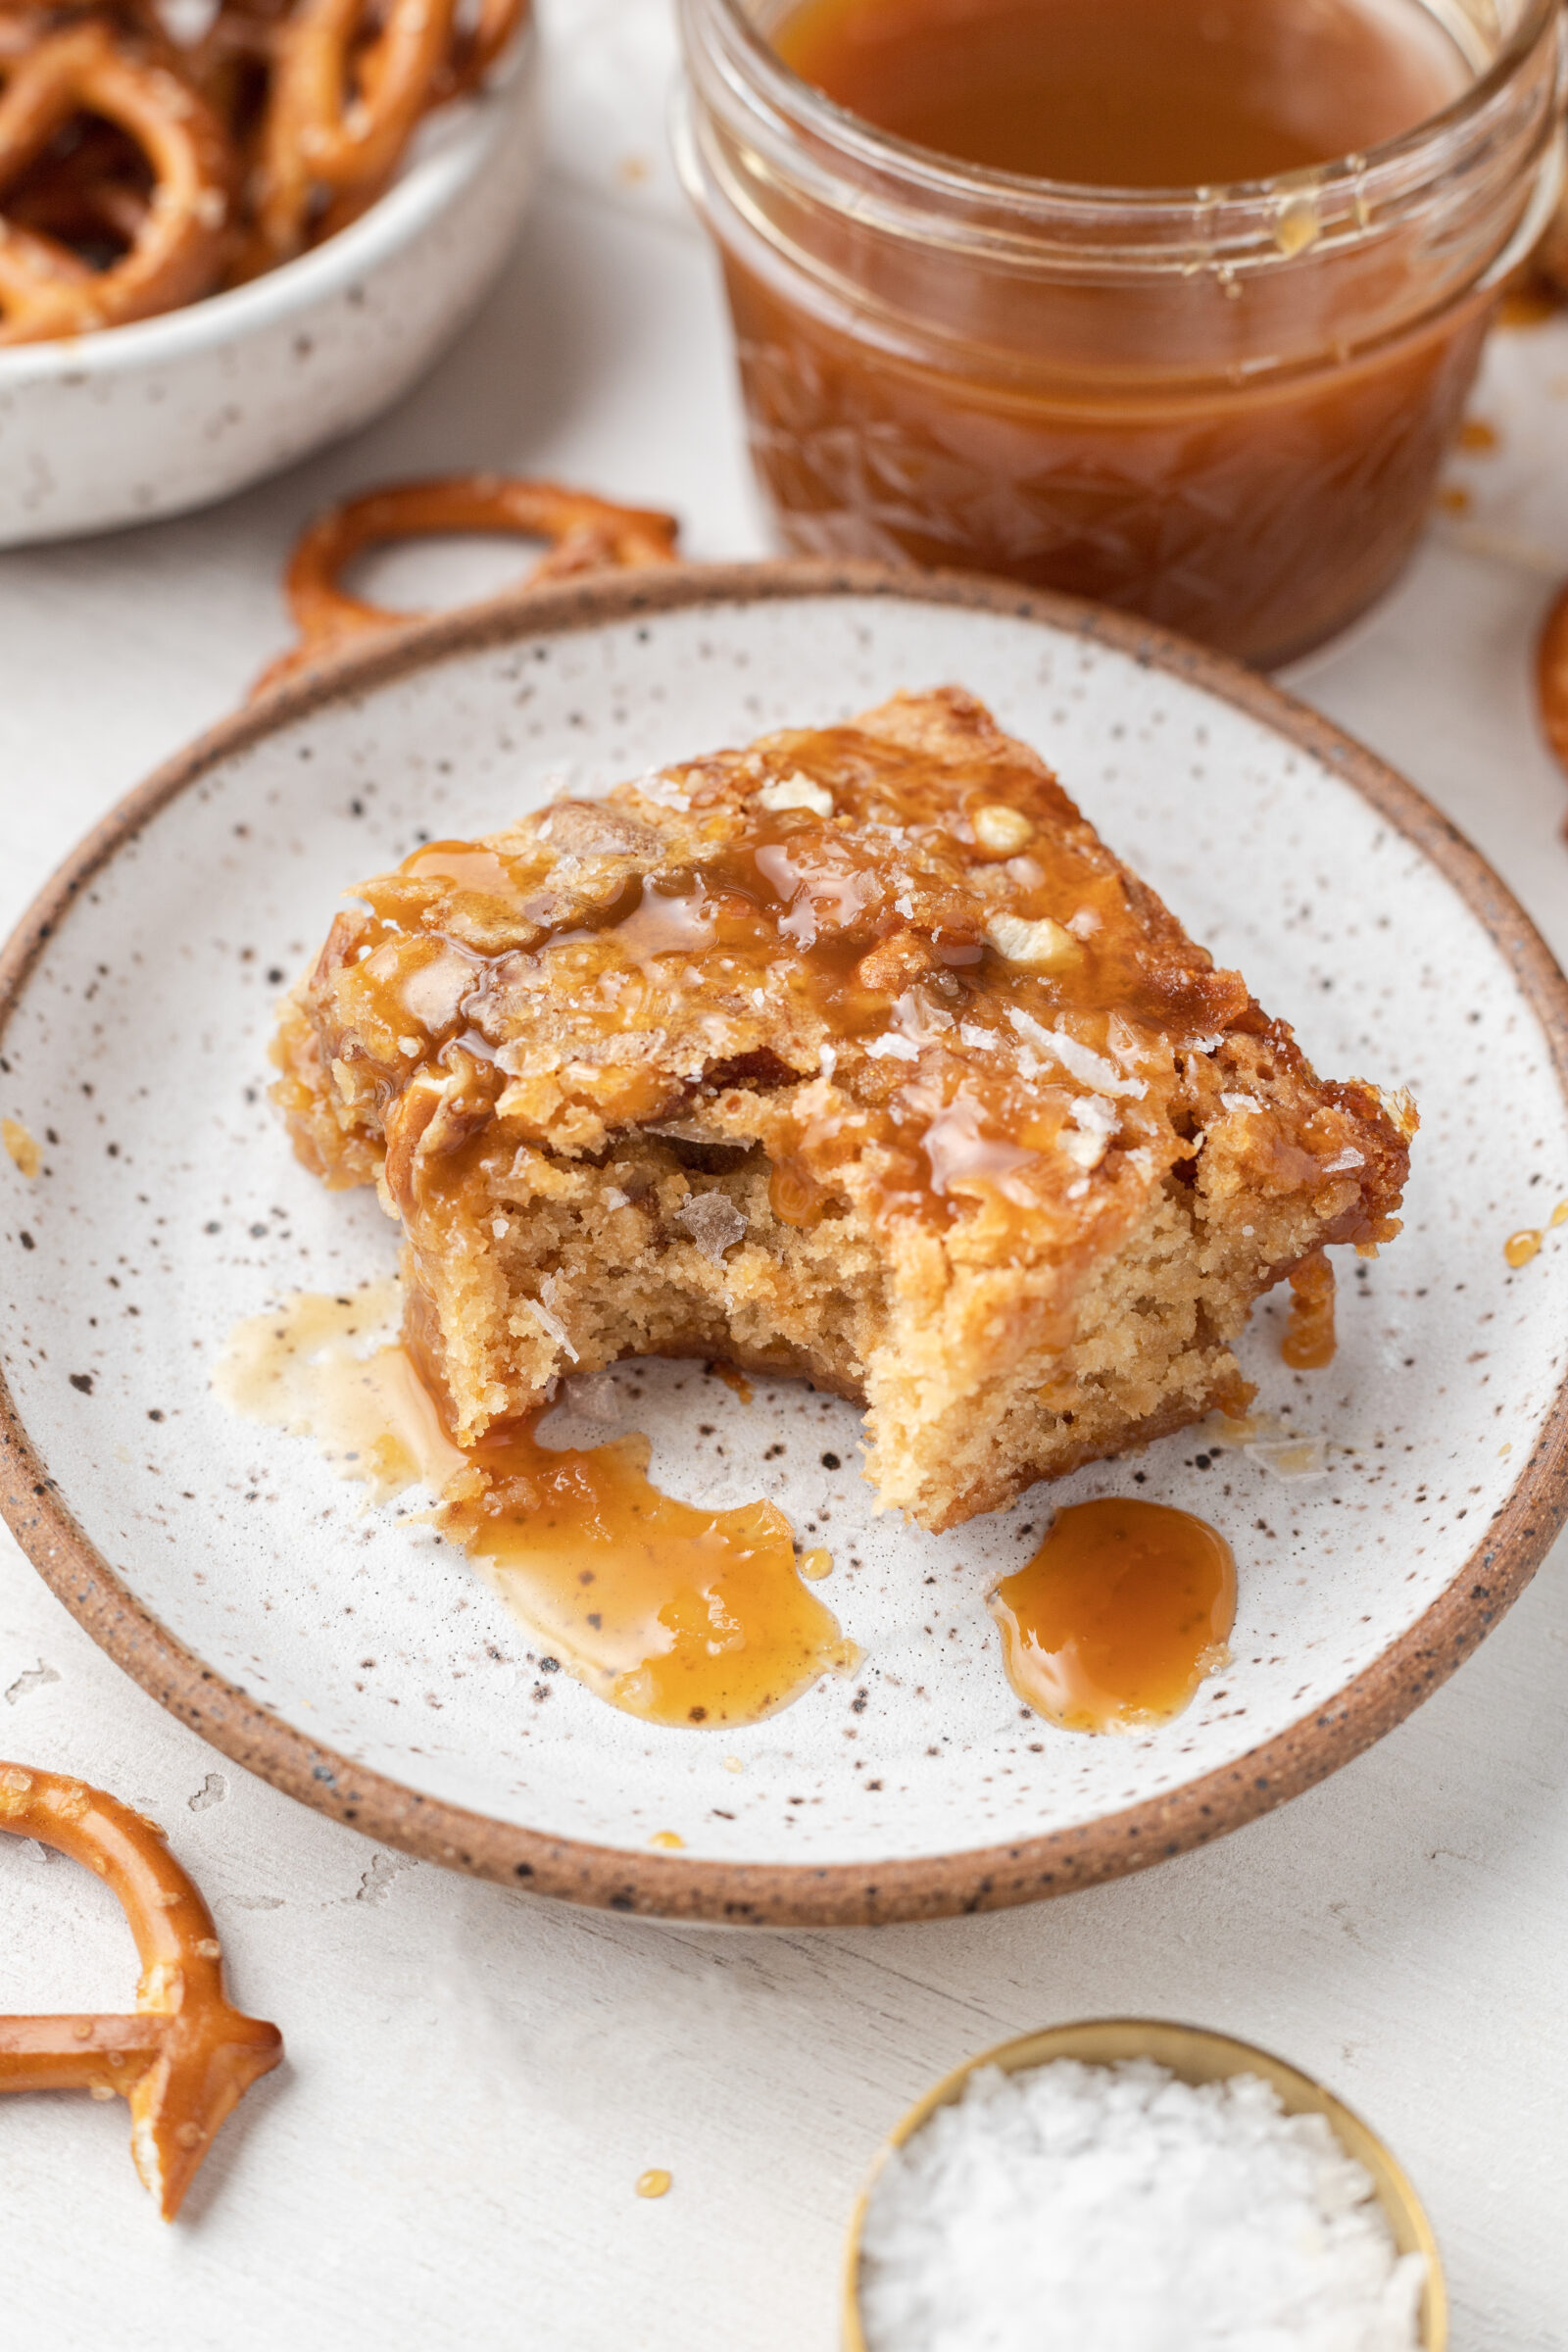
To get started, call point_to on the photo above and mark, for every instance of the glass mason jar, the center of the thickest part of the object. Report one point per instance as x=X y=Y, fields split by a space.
x=1222 y=408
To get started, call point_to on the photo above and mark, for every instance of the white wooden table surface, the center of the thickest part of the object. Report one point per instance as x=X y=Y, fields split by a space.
x=474 y=2080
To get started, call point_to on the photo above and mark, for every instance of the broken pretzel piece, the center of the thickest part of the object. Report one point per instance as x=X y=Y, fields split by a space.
x=184 y=2057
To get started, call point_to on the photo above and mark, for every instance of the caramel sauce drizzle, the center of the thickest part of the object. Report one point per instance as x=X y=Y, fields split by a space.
x=852 y=935
x=1119 y=1615
x=676 y=1614
x=1307 y=1344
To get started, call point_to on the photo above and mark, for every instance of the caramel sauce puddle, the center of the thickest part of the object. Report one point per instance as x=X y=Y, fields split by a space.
x=1309 y=1342
x=691 y=1617
x=1118 y=1617
x=676 y=1614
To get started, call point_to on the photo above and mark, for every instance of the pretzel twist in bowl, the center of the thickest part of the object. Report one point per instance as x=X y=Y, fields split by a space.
x=585 y=534
x=139 y=173
x=176 y=250
x=344 y=103
x=476 y=48
x=184 y=2057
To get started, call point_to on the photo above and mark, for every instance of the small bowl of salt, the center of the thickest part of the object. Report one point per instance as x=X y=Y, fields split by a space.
x=1131 y=2187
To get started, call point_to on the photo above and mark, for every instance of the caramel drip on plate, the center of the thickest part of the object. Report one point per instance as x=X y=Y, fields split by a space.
x=1309 y=1342
x=1120 y=1614
x=21 y=1146
x=913 y=920
x=680 y=1615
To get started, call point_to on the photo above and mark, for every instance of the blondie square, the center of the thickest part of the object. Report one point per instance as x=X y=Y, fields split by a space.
x=853 y=1055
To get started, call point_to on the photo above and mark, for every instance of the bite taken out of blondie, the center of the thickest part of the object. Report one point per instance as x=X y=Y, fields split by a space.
x=853 y=1055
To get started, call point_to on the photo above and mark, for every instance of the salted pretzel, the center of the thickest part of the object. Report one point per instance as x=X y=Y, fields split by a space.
x=344 y=103
x=184 y=2057
x=178 y=249
x=586 y=534
x=476 y=48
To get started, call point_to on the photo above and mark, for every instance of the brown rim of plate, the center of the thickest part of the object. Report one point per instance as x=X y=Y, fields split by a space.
x=794 y=1894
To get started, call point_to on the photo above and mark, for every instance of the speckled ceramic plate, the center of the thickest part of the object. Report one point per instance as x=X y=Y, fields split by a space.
x=364 y=1667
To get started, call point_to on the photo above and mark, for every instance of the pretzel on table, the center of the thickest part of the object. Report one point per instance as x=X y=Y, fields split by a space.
x=176 y=252
x=586 y=534
x=184 y=2057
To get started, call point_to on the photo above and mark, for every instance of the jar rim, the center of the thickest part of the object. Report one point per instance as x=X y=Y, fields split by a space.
x=950 y=177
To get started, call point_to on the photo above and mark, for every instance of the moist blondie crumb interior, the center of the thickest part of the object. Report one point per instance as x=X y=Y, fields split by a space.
x=853 y=1055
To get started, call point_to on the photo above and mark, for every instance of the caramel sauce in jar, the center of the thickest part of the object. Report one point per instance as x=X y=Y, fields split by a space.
x=1129 y=93
x=1169 y=303
x=1120 y=1614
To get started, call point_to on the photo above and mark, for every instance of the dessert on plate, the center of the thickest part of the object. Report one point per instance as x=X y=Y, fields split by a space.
x=855 y=1055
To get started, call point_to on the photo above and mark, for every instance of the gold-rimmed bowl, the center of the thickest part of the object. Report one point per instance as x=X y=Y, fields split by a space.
x=1193 y=2055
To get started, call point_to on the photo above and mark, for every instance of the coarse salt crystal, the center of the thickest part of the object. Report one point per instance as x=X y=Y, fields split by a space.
x=1081 y=1061
x=1083 y=1149
x=714 y=1222
x=1117 y=2209
x=664 y=790
x=544 y=1309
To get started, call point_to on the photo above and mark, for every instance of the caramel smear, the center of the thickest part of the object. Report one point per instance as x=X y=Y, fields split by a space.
x=1123 y=1612
x=1309 y=1342
x=22 y=1147
x=679 y=1615
x=329 y=1367
x=1520 y=1248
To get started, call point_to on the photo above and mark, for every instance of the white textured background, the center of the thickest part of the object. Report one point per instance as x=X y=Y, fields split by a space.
x=474 y=2080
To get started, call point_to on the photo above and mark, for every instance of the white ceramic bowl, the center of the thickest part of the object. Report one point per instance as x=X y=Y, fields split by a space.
x=174 y=411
